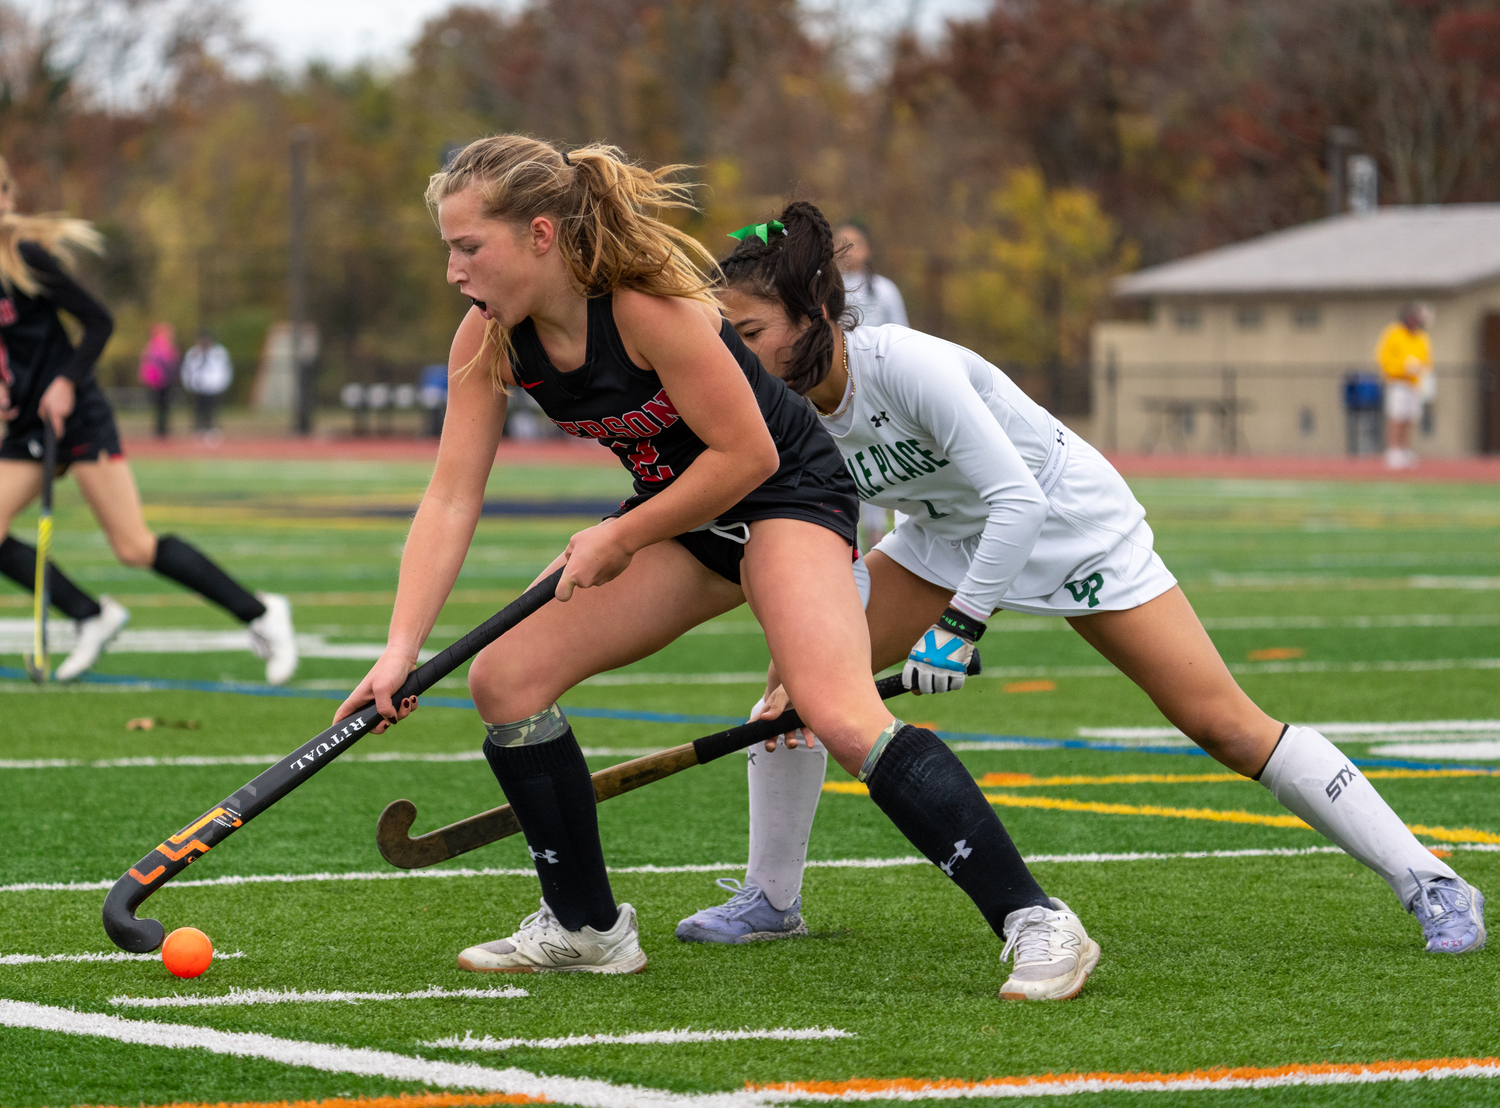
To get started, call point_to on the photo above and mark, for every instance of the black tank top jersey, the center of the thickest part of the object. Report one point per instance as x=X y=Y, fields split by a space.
x=36 y=348
x=611 y=399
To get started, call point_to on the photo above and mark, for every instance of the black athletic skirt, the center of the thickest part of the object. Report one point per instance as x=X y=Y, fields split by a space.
x=88 y=434
x=837 y=511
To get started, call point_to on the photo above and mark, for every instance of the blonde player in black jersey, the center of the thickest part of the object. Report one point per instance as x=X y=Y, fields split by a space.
x=606 y=316
x=44 y=377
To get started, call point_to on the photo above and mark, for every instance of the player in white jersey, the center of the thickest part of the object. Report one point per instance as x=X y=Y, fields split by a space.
x=1007 y=509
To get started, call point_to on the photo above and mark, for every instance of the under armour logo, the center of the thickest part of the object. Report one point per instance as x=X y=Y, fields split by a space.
x=961 y=849
x=1343 y=777
x=549 y=855
x=877 y=420
x=1088 y=587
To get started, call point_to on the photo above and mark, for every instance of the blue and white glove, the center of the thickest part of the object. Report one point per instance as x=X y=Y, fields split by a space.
x=940 y=660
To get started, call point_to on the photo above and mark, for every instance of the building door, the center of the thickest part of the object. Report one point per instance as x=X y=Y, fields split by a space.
x=1489 y=384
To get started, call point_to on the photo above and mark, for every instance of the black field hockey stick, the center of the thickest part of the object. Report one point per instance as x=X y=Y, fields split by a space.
x=196 y=839
x=38 y=664
x=393 y=831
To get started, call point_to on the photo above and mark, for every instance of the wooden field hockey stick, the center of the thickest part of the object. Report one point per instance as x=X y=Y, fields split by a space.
x=215 y=825
x=38 y=664
x=393 y=831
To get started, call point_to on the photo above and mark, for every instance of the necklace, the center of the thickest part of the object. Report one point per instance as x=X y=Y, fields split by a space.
x=853 y=387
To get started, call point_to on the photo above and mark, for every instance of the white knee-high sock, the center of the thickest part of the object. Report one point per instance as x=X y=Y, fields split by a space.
x=784 y=789
x=1310 y=776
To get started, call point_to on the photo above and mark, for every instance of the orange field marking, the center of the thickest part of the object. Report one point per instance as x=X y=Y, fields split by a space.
x=1030 y=686
x=907 y=1088
x=1275 y=654
x=404 y=1100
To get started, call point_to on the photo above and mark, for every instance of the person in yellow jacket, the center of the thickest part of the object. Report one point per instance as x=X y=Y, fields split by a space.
x=1405 y=358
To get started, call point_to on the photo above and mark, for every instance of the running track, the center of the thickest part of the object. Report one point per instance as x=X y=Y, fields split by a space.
x=576 y=452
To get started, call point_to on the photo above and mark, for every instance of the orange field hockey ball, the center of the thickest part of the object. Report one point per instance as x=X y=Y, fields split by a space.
x=187 y=952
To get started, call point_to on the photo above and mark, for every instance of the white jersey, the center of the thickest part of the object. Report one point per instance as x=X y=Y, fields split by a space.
x=934 y=431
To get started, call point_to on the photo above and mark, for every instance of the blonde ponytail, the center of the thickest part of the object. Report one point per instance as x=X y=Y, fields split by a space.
x=57 y=234
x=602 y=202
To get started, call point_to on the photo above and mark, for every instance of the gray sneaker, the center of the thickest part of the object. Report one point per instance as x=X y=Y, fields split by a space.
x=746 y=917
x=1451 y=912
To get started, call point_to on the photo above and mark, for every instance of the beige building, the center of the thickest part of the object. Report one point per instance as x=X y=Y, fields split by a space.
x=1247 y=349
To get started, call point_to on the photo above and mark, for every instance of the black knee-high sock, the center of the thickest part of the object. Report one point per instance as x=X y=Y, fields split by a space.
x=189 y=566
x=18 y=562
x=549 y=789
x=928 y=794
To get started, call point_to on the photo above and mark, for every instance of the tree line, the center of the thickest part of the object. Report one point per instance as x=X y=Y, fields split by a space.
x=1006 y=169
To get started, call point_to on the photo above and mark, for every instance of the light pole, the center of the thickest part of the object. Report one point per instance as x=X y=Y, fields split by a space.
x=302 y=369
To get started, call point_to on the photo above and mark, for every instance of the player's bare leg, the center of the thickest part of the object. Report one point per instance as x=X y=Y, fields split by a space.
x=1164 y=649
x=98 y=621
x=797 y=579
x=535 y=757
x=108 y=486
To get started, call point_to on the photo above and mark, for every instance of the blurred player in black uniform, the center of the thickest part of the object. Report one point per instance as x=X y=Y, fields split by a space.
x=44 y=377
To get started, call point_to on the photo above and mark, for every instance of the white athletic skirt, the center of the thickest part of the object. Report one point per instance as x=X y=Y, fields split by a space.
x=1094 y=553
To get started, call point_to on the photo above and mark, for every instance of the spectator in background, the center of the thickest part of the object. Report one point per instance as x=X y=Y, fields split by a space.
x=877 y=298
x=158 y=370
x=206 y=373
x=1405 y=358
x=878 y=301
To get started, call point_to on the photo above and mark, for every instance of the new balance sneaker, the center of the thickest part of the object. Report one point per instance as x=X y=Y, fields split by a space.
x=746 y=917
x=272 y=638
x=1053 y=954
x=94 y=634
x=1451 y=912
x=542 y=945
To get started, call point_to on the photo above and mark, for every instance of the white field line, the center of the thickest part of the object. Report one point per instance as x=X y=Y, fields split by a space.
x=293 y=996
x=1028 y=624
x=1321 y=581
x=1281 y=1077
x=639 y=1038
x=588 y=1093
x=332 y=1058
x=714 y=867
x=1006 y=673
x=1454 y=751
x=147 y=762
x=104 y=956
x=1332 y=730
x=16 y=635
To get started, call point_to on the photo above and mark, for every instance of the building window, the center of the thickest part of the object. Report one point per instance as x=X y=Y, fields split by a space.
x=1249 y=317
x=1307 y=317
x=1187 y=317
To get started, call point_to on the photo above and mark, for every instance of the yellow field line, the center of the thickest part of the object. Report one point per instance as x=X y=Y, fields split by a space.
x=1214 y=814
x=1442 y=834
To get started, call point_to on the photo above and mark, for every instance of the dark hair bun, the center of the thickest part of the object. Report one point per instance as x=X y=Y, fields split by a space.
x=797 y=270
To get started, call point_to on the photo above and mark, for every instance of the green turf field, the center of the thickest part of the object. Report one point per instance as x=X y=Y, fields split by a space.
x=1362 y=604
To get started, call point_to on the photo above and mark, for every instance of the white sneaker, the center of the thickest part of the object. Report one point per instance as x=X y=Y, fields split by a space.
x=541 y=945
x=94 y=634
x=272 y=638
x=1054 y=954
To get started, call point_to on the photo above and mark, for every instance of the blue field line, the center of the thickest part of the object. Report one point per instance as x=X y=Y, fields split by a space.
x=163 y=684
x=150 y=684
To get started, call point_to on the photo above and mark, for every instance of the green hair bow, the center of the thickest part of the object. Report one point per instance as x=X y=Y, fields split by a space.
x=761 y=231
